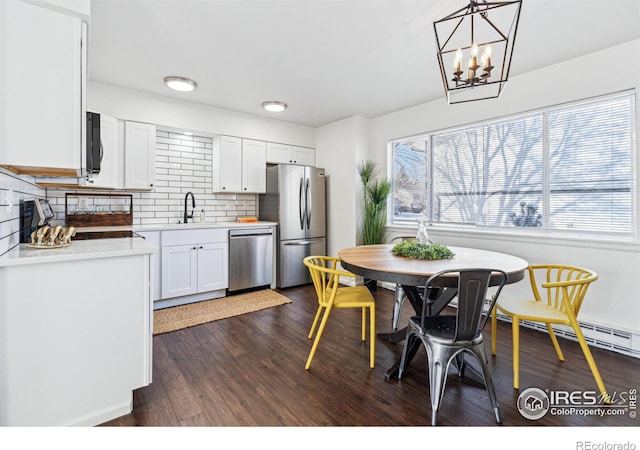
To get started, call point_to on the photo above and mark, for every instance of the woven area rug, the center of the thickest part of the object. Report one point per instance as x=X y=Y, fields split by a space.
x=184 y=316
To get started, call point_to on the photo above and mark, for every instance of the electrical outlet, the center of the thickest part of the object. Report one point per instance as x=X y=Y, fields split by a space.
x=10 y=201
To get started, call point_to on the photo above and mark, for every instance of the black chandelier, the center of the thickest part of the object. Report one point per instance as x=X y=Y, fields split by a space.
x=482 y=34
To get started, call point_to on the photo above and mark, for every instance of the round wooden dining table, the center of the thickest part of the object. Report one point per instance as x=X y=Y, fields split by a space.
x=376 y=262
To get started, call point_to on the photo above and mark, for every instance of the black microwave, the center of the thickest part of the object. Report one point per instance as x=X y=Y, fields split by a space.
x=94 y=143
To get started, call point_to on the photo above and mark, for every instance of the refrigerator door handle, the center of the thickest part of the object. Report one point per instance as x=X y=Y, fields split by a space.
x=307 y=200
x=305 y=242
x=301 y=211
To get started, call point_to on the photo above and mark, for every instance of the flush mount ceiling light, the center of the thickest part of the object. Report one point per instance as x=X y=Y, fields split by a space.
x=274 y=106
x=180 y=84
x=483 y=33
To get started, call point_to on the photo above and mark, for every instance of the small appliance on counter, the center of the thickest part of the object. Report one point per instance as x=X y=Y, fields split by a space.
x=35 y=215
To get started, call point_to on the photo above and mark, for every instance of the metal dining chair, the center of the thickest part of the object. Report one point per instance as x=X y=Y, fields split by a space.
x=447 y=337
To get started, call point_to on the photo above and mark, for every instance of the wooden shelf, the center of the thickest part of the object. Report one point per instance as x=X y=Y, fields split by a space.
x=98 y=209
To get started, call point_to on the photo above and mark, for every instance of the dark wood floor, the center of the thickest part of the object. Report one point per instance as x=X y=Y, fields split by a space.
x=249 y=371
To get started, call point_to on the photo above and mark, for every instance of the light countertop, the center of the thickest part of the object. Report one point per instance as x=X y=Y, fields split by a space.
x=201 y=225
x=78 y=250
x=107 y=248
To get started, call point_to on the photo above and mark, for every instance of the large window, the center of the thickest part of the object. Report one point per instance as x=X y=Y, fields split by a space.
x=568 y=168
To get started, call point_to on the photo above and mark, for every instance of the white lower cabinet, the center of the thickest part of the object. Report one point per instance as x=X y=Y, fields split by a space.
x=213 y=266
x=179 y=270
x=153 y=237
x=194 y=261
x=75 y=361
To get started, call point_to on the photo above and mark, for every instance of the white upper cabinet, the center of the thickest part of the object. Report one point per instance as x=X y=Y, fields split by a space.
x=80 y=8
x=239 y=165
x=42 y=85
x=278 y=153
x=303 y=156
x=227 y=164
x=290 y=154
x=140 y=155
x=254 y=166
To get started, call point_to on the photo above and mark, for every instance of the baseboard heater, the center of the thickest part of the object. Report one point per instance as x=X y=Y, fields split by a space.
x=599 y=336
x=619 y=341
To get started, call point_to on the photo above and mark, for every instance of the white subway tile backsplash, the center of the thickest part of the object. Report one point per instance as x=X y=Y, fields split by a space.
x=153 y=221
x=164 y=202
x=13 y=189
x=167 y=140
x=176 y=190
x=146 y=214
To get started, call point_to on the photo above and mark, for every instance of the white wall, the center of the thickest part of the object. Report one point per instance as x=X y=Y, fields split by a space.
x=340 y=146
x=133 y=105
x=613 y=299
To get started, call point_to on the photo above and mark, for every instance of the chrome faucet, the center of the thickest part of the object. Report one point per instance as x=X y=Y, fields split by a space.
x=193 y=204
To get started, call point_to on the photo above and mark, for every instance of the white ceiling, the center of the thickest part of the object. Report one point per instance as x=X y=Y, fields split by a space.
x=328 y=59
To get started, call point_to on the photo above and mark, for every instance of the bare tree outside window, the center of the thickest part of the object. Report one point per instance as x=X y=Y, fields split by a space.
x=568 y=168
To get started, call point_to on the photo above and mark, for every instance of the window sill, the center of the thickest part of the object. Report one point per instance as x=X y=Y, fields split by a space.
x=607 y=242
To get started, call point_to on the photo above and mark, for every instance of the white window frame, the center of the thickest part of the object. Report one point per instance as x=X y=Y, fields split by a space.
x=631 y=236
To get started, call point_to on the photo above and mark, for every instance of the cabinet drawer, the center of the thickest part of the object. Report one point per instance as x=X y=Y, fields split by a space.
x=201 y=235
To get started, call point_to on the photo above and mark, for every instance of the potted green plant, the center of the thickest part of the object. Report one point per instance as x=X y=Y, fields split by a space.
x=375 y=192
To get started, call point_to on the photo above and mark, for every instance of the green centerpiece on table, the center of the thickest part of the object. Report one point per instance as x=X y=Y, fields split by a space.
x=419 y=250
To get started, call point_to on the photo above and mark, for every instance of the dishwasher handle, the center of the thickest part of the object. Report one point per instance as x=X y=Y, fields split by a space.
x=250 y=232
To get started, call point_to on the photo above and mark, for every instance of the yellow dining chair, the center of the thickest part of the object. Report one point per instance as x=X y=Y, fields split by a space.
x=558 y=292
x=326 y=280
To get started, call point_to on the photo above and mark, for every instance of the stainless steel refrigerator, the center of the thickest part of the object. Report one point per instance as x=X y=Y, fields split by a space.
x=295 y=199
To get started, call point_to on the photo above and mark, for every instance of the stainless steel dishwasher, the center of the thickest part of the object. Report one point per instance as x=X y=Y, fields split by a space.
x=250 y=258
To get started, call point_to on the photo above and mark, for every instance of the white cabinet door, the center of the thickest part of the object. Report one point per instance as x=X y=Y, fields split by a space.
x=194 y=261
x=213 y=266
x=254 y=166
x=239 y=165
x=41 y=90
x=303 y=156
x=278 y=153
x=179 y=270
x=140 y=155
x=290 y=154
x=227 y=164
x=109 y=176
